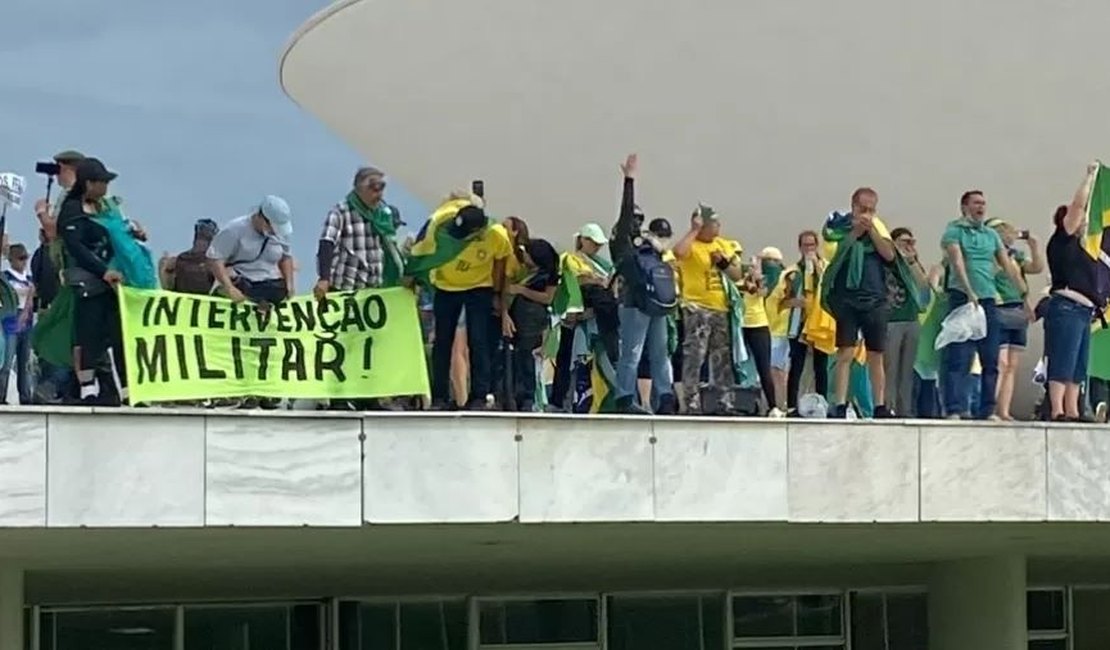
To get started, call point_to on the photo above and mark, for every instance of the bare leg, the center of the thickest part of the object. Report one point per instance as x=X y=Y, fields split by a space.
x=843 y=375
x=1071 y=400
x=1056 y=391
x=460 y=368
x=1008 y=359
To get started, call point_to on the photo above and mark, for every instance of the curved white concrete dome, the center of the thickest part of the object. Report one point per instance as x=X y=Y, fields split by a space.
x=772 y=110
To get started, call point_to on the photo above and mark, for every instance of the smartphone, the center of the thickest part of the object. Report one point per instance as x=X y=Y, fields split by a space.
x=478 y=188
x=1024 y=234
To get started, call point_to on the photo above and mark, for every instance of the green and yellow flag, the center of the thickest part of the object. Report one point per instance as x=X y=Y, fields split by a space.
x=1098 y=212
x=435 y=245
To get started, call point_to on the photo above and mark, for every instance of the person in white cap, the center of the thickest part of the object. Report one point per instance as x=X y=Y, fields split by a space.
x=251 y=256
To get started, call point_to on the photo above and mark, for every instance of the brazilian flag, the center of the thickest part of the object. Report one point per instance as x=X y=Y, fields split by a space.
x=437 y=243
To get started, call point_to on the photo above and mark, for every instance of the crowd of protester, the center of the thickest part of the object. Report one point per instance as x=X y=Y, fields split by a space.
x=645 y=317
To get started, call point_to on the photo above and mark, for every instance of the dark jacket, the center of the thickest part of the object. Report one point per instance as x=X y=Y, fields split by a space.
x=622 y=245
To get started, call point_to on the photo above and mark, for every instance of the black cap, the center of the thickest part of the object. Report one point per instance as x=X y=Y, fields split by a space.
x=470 y=219
x=660 y=227
x=91 y=169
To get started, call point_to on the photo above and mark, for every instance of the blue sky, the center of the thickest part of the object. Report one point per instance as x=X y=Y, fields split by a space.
x=181 y=98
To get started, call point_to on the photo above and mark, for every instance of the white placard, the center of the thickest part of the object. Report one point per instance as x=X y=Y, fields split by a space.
x=11 y=189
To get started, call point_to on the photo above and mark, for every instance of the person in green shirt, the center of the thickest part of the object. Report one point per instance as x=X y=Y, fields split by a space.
x=974 y=252
x=903 y=327
x=1014 y=313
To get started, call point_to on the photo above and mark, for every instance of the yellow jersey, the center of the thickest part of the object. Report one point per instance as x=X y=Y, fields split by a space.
x=473 y=268
x=700 y=278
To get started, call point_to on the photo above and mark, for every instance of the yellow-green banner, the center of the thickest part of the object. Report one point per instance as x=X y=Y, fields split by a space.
x=352 y=345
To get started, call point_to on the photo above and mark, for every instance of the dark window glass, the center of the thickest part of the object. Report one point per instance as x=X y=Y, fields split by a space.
x=868 y=629
x=46 y=631
x=28 y=621
x=1044 y=610
x=306 y=627
x=538 y=621
x=118 y=629
x=1090 y=619
x=819 y=615
x=907 y=617
x=433 y=626
x=756 y=616
x=666 y=622
x=236 y=628
x=367 y=626
x=1049 y=644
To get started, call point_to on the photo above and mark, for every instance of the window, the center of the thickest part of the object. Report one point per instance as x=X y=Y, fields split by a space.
x=890 y=621
x=1046 y=615
x=814 y=621
x=538 y=622
x=248 y=627
x=119 y=629
x=1090 y=618
x=666 y=622
x=432 y=625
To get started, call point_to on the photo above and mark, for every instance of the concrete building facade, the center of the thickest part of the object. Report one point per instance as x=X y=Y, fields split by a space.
x=133 y=529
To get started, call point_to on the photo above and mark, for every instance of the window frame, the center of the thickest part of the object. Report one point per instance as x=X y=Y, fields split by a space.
x=734 y=642
x=474 y=620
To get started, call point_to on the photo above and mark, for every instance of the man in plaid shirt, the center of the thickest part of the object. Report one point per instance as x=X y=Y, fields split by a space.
x=358 y=247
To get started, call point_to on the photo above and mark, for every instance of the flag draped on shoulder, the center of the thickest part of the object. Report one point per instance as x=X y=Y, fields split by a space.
x=1098 y=213
x=437 y=244
x=850 y=255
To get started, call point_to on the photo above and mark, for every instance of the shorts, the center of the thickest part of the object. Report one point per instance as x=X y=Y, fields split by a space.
x=851 y=322
x=780 y=352
x=1014 y=337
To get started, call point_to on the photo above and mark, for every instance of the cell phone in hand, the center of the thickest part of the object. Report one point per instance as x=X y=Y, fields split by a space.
x=1024 y=234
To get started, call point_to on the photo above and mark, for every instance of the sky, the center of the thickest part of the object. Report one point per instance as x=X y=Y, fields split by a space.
x=180 y=98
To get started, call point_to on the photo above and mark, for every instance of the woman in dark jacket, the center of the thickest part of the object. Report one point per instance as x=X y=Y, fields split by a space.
x=88 y=253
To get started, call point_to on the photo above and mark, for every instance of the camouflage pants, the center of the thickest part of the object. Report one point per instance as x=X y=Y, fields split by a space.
x=706 y=337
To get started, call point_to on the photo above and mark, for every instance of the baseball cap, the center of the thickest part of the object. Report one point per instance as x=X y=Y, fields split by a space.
x=277 y=212
x=594 y=233
x=660 y=227
x=771 y=253
x=68 y=157
x=91 y=169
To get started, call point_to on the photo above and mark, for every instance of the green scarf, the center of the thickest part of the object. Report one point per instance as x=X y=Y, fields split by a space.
x=382 y=222
x=772 y=273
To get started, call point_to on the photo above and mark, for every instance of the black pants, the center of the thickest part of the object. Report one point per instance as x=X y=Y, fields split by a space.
x=563 y=371
x=758 y=342
x=97 y=330
x=446 y=307
x=531 y=320
x=798 y=353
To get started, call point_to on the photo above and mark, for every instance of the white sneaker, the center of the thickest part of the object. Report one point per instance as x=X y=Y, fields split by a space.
x=776 y=413
x=1100 y=412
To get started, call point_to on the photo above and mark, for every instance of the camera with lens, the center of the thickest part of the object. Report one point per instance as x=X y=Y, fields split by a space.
x=48 y=168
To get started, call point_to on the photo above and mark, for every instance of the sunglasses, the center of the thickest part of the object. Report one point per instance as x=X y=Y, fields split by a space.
x=377 y=187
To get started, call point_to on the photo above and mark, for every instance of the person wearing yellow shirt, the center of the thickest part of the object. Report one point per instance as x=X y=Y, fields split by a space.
x=778 y=320
x=757 y=328
x=704 y=258
x=471 y=281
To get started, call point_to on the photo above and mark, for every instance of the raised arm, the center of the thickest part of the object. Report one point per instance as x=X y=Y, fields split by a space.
x=1035 y=263
x=621 y=243
x=1077 y=211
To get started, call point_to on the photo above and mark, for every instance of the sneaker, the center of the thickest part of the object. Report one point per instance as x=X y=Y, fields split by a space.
x=793 y=413
x=479 y=405
x=1100 y=412
x=776 y=413
x=628 y=406
x=883 y=412
x=838 y=412
x=954 y=416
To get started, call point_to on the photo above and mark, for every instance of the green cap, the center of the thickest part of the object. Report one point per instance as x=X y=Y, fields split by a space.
x=69 y=157
x=707 y=212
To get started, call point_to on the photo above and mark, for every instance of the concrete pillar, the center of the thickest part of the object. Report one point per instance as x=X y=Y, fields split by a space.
x=978 y=603
x=11 y=608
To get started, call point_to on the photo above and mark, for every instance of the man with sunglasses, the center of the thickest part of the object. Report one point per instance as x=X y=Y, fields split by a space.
x=358 y=246
x=358 y=249
x=903 y=328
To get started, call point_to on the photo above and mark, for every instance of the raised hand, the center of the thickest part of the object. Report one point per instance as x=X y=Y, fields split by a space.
x=630 y=165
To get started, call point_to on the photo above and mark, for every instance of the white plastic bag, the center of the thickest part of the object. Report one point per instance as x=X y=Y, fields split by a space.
x=965 y=323
x=1040 y=373
x=813 y=406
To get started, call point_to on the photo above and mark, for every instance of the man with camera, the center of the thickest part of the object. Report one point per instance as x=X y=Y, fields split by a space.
x=64 y=167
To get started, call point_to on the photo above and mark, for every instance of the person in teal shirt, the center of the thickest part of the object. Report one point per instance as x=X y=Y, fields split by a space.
x=975 y=253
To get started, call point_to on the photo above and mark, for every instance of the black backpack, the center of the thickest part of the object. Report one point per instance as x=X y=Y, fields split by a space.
x=655 y=289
